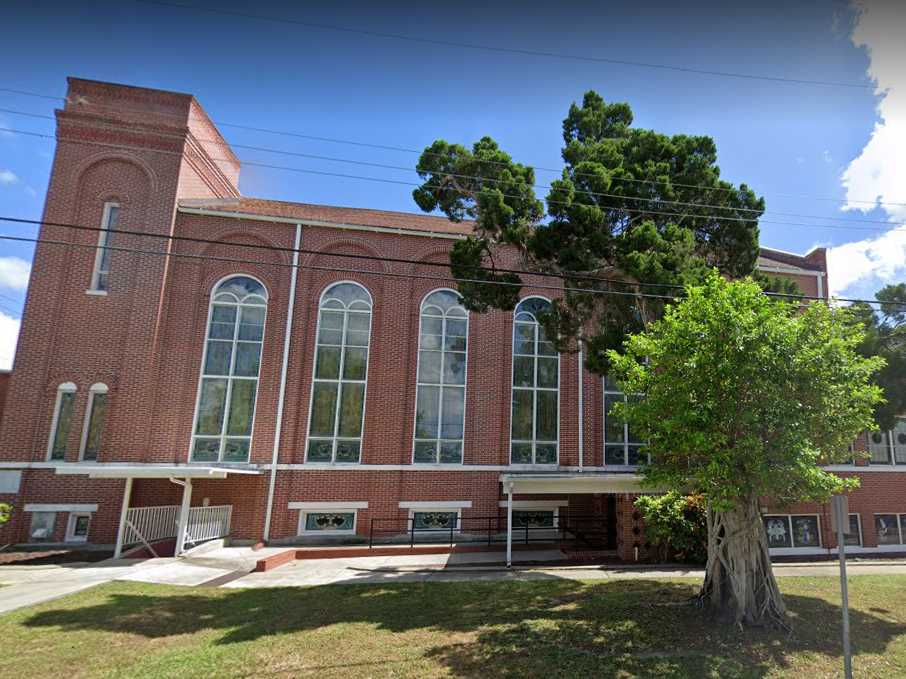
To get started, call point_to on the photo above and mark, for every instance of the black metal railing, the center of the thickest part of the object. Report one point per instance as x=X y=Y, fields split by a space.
x=591 y=531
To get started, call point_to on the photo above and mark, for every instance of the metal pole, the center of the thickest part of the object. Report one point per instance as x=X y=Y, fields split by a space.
x=509 y=524
x=371 y=534
x=183 y=520
x=841 y=548
x=124 y=512
x=411 y=532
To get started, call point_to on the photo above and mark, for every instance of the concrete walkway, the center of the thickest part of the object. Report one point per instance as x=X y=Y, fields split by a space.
x=29 y=585
x=367 y=570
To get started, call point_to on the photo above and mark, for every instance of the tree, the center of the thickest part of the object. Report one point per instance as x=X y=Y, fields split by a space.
x=745 y=397
x=885 y=335
x=646 y=210
x=5 y=512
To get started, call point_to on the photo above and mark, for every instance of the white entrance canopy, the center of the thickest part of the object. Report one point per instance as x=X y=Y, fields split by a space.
x=572 y=482
x=180 y=474
x=562 y=482
x=151 y=471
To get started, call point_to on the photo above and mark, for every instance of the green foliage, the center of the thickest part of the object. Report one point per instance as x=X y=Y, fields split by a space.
x=631 y=204
x=6 y=512
x=746 y=396
x=676 y=524
x=885 y=335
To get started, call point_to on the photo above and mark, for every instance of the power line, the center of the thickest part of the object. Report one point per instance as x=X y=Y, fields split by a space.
x=397 y=260
x=505 y=50
x=119 y=107
x=353 y=161
x=384 y=180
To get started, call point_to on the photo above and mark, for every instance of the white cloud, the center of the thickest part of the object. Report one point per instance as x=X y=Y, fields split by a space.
x=877 y=177
x=9 y=334
x=14 y=273
x=827 y=156
x=8 y=177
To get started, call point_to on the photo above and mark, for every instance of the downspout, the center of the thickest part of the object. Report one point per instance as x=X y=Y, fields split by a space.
x=278 y=427
x=581 y=406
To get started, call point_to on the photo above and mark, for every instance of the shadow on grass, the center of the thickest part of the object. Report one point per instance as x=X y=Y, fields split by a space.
x=550 y=628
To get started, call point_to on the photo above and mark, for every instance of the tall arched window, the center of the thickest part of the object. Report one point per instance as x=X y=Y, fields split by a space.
x=95 y=414
x=441 y=381
x=229 y=375
x=534 y=432
x=62 y=421
x=341 y=370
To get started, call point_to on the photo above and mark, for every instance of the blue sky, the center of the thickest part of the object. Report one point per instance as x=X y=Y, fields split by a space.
x=782 y=139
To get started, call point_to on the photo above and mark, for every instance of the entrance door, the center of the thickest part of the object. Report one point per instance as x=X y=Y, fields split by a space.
x=77 y=528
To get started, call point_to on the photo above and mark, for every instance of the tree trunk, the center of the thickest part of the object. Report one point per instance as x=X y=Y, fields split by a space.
x=739 y=582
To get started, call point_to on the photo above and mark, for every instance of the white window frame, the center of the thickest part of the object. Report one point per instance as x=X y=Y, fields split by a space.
x=339 y=381
x=31 y=526
x=71 y=524
x=789 y=523
x=605 y=392
x=303 y=518
x=65 y=388
x=102 y=246
x=859 y=524
x=902 y=537
x=229 y=378
x=93 y=391
x=535 y=389
x=440 y=385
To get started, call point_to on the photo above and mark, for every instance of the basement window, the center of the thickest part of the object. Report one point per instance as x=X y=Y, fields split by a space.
x=792 y=530
x=42 y=526
x=890 y=529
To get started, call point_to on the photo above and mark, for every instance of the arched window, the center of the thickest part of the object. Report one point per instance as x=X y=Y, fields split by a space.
x=229 y=374
x=95 y=414
x=441 y=382
x=534 y=431
x=341 y=371
x=62 y=421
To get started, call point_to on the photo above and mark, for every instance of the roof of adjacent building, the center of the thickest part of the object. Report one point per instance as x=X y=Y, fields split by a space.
x=410 y=221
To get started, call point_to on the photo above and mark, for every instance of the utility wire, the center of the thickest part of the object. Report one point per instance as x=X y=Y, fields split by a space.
x=504 y=50
x=567 y=276
x=384 y=180
x=353 y=161
x=119 y=107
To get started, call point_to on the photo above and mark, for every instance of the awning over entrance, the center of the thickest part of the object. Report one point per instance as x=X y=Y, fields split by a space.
x=151 y=471
x=571 y=482
x=180 y=474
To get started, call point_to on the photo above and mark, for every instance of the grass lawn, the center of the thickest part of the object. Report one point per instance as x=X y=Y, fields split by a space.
x=552 y=628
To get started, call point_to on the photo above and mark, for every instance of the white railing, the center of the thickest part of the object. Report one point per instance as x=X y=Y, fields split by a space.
x=207 y=523
x=148 y=524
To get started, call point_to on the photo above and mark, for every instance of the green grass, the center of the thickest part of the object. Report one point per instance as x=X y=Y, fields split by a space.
x=550 y=628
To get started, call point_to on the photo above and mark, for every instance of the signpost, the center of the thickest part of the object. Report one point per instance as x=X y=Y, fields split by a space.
x=840 y=521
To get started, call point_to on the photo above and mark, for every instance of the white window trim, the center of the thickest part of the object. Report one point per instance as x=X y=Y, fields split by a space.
x=345 y=509
x=534 y=391
x=83 y=508
x=65 y=388
x=229 y=378
x=441 y=385
x=779 y=551
x=859 y=523
x=625 y=466
x=327 y=506
x=97 y=388
x=435 y=505
x=898 y=515
x=535 y=504
x=103 y=242
x=443 y=508
x=314 y=369
x=70 y=535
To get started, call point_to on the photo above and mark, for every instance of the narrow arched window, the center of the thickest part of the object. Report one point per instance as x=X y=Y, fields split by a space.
x=95 y=414
x=340 y=374
x=534 y=431
x=441 y=381
x=229 y=374
x=101 y=272
x=62 y=421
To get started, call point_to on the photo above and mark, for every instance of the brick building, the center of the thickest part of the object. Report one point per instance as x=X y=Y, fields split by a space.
x=305 y=372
